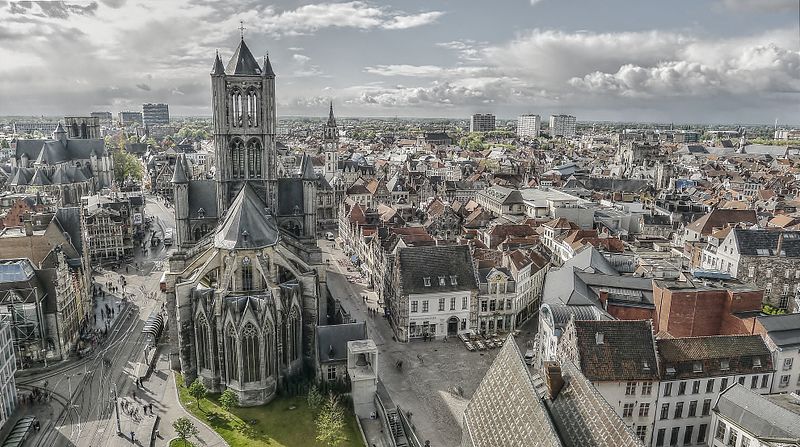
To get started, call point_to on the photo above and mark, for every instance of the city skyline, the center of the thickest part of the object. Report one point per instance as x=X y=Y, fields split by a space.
x=704 y=62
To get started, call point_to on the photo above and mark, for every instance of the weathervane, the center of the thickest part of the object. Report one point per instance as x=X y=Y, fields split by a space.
x=241 y=28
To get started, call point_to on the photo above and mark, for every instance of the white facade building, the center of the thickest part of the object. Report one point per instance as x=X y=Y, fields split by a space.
x=529 y=125
x=562 y=126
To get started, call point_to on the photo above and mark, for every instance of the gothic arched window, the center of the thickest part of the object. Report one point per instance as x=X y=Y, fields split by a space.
x=255 y=154
x=294 y=338
x=247 y=275
x=203 y=344
x=269 y=350
x=251 y=354
x=237 y=158
x=231 y=349
x=252 y=106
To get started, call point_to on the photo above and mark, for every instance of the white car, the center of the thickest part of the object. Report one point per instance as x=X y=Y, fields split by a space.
x=529 y=355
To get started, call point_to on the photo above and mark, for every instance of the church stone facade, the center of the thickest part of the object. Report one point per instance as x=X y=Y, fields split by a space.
x=247 y=283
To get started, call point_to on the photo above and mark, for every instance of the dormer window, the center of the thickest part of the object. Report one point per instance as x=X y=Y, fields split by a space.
x=645 y=365
x=441 y=281
x=427 y=281
x=724 y=365
x=697 y=367
x=453 y=280
x=756 y=362
x=671 y=370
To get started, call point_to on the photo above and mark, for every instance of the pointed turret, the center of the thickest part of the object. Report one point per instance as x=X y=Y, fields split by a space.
x=60 y=134
x=268 y=73
x=331 y=119
x=243 y=62
x=307 y=169
x=179 y=176
x=219 y=69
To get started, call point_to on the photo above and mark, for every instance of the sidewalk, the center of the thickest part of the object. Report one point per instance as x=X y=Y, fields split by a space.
x=160 y=390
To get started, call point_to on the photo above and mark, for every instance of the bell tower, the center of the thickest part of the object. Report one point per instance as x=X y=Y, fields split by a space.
x=330 y=143
x=244 y=119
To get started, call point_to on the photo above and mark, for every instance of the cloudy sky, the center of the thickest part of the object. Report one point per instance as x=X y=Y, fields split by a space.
x=638 y=60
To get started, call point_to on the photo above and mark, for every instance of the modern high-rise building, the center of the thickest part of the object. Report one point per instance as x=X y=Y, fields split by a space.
x=562 y=126
x=528 y=125
x=481 y=122
x=106 y=118
x=130 y=118
x=8 y=367
x=155 y=114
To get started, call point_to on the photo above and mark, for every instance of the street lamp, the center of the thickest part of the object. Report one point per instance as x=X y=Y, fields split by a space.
x=116 y=409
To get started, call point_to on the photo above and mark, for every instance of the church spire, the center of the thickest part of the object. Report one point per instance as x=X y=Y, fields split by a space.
x=331 y=119
x=268 y=67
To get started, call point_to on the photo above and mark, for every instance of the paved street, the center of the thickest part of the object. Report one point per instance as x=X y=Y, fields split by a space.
x=81 y=411
x=421 y=387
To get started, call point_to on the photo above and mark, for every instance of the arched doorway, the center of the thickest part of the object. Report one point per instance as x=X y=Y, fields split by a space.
x=452 y=326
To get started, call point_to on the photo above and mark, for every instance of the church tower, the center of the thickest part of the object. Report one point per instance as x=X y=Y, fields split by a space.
x=243 y=103
x=180 y=183
x=330 y=144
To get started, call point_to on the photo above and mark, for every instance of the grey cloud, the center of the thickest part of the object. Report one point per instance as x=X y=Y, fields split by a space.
x=759 y=5
x=116 y=4
x=52 y=9
x=144 y=87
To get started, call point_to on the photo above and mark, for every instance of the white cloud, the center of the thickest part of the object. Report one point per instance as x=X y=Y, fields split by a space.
x=301 y=58
x=760 y=5
x=428 y=71
x=307 y=19
x=413 y=21
x=533 y=2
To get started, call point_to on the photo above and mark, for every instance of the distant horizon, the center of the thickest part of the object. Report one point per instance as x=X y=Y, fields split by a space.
x=4 y=118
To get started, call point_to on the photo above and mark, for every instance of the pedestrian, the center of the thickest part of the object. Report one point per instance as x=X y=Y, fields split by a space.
x=132 y=437
x=151 y=408
x=419 y=357
x=102 y=313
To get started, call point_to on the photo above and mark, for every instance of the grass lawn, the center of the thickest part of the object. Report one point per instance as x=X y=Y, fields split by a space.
x=276 y=425
x=180 y=443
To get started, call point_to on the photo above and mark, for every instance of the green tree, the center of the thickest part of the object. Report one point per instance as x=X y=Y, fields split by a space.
x=330 y=423
x=126 y=165
x=228 y=400
x=4 y=144
x=315 y=399
x=184 y=428
x=198 y=390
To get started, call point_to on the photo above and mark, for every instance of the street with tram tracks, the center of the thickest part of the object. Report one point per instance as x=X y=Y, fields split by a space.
x=78 y=406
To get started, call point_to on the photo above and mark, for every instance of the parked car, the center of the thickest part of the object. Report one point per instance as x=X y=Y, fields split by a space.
x=529 y=355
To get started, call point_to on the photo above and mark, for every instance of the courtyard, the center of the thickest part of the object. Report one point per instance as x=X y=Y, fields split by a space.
x=284 y=422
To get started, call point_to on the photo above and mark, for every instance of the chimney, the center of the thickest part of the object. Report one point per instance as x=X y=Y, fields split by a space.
x=553 y=378
x=780 y=244
x=28 y=228
x=604 y=299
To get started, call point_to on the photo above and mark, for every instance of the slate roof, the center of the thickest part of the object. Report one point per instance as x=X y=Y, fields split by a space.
x=332 y=340
x=505 y=410
x=765 y=243
x=689 y=349
x=783 y=330
x=179 y=174
x=248 y=223
x=584 y=418
x=203 y=194
x=761 y=415
x=626 y=351
x=290 y=196
x=417 y=263
x=242 y=62
x=57 y=151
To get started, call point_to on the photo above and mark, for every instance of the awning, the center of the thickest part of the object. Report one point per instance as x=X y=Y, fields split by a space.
x=154 y=325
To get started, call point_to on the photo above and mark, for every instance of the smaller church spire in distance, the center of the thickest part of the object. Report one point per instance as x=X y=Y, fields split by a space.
x=268 y=67
x=331 y=119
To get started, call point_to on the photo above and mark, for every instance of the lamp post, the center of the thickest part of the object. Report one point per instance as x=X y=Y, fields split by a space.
x=116 y=409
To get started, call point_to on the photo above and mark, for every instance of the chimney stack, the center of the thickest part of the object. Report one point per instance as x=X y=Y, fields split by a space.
x=553 y=378
x=604 y=299
x=28 y=228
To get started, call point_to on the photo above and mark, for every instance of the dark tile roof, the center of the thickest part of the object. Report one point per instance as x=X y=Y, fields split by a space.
x=624 y=351
x=203 y=194
x=505 y=410
x=290 y=196
x=332 y=340
x=765 y=243
x=417 y=263
x=718 y=355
